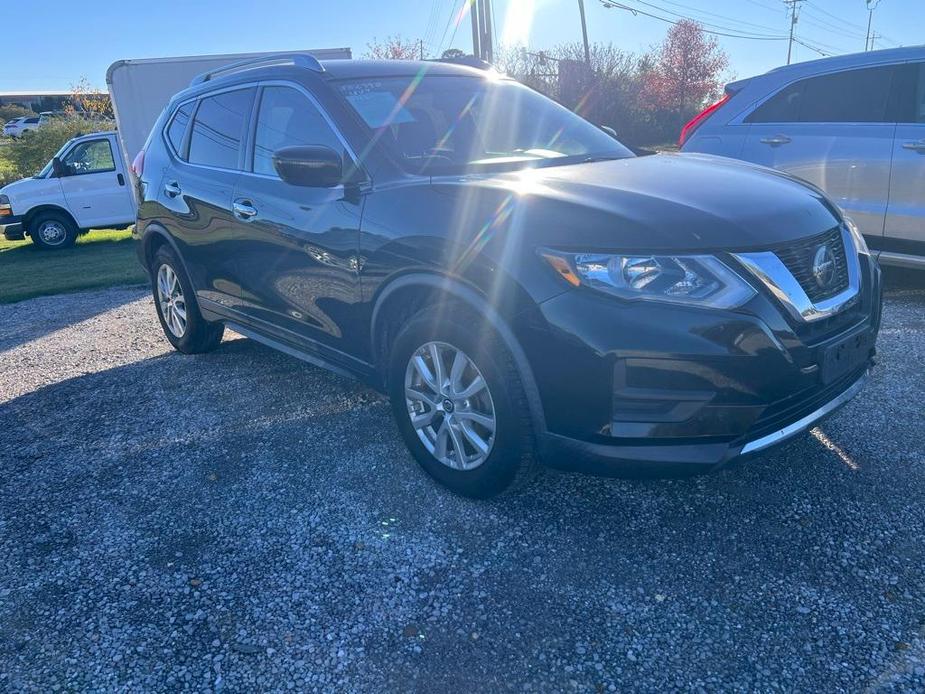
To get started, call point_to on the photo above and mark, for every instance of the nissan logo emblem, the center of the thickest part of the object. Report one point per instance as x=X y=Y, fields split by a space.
x=824 y=266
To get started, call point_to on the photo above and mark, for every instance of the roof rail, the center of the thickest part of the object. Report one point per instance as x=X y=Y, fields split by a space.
x=309 y=62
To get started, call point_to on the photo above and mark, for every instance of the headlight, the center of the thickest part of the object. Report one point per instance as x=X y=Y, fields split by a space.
x=859 y=243
x=694 y=280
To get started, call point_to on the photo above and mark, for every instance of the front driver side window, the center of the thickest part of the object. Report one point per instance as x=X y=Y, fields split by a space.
x=94 y=156
x=288 y=118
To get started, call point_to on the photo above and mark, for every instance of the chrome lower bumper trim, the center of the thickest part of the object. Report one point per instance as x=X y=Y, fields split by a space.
x=807 y=421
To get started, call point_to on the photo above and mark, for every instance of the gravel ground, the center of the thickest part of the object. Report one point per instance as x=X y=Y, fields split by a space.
x=241 y=521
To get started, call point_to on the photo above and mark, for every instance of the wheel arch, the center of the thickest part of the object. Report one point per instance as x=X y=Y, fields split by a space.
x=414 y=291
x=40 y=209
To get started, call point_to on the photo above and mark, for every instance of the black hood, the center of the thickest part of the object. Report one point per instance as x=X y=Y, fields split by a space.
x=665 y=202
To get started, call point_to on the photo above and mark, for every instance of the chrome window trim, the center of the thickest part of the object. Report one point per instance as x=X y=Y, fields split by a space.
x=774 y=275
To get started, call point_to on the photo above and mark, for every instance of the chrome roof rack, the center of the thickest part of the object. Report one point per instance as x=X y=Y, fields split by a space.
x=309 y=62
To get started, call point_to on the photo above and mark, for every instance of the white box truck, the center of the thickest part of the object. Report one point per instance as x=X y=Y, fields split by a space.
x=89 y=183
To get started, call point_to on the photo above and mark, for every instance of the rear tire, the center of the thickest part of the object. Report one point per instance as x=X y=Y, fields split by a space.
x=177 y=309
x=477 y=440
x=52 y=231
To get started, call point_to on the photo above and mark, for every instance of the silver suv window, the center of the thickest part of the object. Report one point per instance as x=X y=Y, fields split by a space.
x=850 y=96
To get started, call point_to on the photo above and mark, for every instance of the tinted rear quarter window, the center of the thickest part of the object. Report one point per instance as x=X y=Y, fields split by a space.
x=177 y=128
x=219 y=127
x=850 y=96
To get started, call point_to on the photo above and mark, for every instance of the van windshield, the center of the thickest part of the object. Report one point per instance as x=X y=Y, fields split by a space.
x=451 y=123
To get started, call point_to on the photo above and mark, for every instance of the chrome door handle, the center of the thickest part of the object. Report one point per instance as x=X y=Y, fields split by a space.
x=917 y=146
x=244 y=210
x=172 y=189
x=776 y=140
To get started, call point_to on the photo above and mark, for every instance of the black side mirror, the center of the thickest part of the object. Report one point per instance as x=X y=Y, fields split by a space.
x=310 y=166
x=59 y=168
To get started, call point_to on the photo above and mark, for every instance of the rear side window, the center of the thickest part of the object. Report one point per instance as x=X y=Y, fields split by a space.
x=908 y=99
x=288 y=118
x=852 y=96
x=218 y=129
x=177 y=128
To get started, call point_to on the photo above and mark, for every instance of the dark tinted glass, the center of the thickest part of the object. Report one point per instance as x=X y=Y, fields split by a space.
x=31 y=121
x=908 y=99
x=177 y=128
x=852 y=96
x=218 y=129
x=288 y=118
x=783 y=107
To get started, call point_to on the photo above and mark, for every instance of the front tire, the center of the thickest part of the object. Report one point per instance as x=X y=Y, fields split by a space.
x=52 y=231
x=177 y=309
x=459 y=403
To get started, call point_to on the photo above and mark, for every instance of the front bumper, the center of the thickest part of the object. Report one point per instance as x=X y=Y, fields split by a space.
x=636 y=389
x=12 y=228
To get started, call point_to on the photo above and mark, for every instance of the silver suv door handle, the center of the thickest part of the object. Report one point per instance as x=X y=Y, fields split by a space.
x=172 y=189
x=776 y=140
x=244 y=210
x=917 y=146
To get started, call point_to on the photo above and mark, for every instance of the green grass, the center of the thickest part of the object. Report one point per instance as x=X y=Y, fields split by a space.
x=100 y=259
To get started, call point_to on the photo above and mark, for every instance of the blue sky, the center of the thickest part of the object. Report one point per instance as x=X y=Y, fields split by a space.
x=53 y=43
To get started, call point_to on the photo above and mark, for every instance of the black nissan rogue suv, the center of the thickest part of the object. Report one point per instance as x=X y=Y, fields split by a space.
x=520 y=284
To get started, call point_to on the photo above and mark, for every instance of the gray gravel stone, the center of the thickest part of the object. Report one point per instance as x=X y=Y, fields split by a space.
x=160 y=512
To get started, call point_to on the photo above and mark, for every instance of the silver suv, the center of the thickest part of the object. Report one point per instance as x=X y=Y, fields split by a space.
x=853 y=125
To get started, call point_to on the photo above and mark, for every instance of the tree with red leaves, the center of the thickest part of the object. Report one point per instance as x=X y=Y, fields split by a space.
x=686 y=70
x=395 y=48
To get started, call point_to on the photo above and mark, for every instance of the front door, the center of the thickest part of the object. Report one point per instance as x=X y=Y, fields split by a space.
x=905 y=219
x=95 y=185
x=835 y=131
x=298 y=251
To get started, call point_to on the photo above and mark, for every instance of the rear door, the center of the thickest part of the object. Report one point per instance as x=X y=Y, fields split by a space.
x=199 y=184
x=836 y=131
x=95 y=185
x=905 y=220
x=299 y=246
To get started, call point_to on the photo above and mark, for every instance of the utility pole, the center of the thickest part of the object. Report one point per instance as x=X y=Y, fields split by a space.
x=869 y=41
x=476 y=32
x=482 y=38
x=584 y=31
x=794 y=6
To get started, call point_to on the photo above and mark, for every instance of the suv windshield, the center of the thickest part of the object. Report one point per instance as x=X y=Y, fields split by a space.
x=453 y=123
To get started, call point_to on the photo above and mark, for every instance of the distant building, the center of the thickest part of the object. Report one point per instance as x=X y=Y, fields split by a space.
x=38 y=101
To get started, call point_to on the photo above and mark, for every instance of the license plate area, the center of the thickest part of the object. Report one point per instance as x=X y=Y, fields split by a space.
x=845 y=356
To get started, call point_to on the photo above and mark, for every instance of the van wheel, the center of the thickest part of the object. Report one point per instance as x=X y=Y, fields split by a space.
x=52 y=230
x=177 y=309
x=459 y=403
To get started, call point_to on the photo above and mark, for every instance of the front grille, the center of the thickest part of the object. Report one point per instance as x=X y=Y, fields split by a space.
x=791 y=409
x=799 y=258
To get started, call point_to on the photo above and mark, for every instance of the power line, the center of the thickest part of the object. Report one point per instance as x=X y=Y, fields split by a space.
x=613 y=4
x=721 y=27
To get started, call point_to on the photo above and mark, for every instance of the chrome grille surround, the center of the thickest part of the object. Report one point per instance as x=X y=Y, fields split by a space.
x=767 y=267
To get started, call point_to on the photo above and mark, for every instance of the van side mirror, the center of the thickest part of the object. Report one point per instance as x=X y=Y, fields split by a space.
x=59 y=168
x=309 y=166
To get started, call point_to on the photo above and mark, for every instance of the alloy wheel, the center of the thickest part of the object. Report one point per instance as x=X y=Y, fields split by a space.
x=450 y=405
x=171 y=300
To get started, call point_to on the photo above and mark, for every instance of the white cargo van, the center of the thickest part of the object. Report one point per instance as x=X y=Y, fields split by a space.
x=84 y=186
